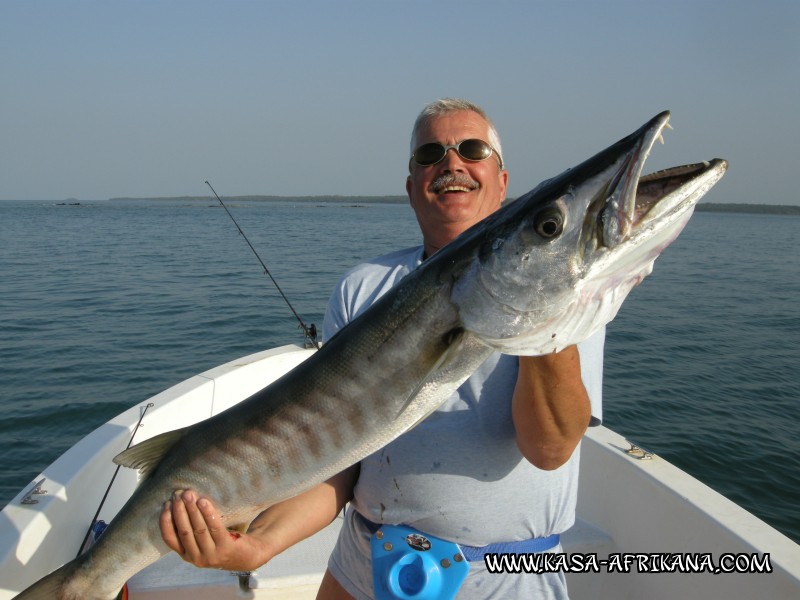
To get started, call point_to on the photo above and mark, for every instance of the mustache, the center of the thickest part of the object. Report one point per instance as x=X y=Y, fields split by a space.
x=446 y=180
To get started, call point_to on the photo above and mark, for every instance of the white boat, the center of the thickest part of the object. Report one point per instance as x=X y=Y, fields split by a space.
x=635 y=510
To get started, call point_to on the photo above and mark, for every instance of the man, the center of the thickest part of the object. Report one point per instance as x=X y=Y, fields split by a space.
x=496 y=463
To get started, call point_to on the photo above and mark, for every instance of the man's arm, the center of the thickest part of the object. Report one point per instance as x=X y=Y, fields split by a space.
x=550 y=408
x=191 y=525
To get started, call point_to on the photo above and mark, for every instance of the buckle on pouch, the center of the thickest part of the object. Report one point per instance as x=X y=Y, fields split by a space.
x=410 y=565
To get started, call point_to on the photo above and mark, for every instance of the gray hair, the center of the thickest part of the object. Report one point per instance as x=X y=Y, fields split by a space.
x=445 y=106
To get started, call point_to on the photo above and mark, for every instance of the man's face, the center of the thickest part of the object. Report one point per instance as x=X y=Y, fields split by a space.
x=445 y=211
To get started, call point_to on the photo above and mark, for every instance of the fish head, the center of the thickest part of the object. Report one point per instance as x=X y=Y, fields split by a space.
x=552 y=267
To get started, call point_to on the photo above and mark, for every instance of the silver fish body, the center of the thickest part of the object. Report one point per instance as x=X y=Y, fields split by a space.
x=544 y=272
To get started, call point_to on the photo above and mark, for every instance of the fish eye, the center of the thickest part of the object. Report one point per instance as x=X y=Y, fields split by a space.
x=549 y=223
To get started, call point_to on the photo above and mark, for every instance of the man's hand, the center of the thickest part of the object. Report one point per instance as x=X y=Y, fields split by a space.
x=192 y=526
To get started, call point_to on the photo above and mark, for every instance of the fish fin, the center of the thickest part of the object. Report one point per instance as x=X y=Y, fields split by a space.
x=146 y=456
x=455 y=337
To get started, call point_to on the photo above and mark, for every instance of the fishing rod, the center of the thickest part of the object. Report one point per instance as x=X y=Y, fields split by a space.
x=97 y=527
x=309 y=332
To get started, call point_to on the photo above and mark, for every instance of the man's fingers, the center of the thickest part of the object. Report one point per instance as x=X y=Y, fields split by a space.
x=213 y=521
x=168 y=532
x=206 y=524
x=192 y=526
x=200 y=530
x=185 y=527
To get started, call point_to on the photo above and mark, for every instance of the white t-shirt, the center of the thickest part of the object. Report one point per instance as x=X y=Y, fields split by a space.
x=458 y=475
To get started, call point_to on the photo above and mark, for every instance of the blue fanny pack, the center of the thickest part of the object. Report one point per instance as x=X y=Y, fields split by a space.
x=408 y=564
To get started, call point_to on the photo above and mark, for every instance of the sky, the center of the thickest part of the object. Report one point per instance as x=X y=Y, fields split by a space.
x=103 y=99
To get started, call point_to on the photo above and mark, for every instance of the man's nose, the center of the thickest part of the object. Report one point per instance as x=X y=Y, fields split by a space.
x=452 y=160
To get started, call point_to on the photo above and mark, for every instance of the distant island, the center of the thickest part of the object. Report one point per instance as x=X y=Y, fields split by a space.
x=332 y=199
x=770 y=209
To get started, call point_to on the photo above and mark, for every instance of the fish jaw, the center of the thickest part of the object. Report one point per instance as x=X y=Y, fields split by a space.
x=557 y=263
x=665 y=202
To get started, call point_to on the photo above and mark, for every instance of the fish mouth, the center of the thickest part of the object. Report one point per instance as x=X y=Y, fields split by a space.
x=652 y=190
x=633 y=200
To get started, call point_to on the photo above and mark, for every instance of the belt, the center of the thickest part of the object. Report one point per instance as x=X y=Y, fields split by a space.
x=530 y=546
x=476 y=553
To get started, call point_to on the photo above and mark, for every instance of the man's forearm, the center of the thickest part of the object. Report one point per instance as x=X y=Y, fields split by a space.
x=550 y=408
x=293 y=520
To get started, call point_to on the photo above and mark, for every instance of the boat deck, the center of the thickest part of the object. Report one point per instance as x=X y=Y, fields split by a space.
x=625 y=505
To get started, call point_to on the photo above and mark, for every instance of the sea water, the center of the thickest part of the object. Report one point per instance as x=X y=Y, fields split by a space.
x=104 y=304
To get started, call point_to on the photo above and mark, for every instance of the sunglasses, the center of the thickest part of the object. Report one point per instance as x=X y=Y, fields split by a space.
x=473 y=150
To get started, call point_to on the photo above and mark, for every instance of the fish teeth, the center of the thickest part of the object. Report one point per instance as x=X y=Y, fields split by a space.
x=661 y=133
x=660 y=137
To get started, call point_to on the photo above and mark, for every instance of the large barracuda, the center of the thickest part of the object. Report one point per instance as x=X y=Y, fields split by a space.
x=542 y=273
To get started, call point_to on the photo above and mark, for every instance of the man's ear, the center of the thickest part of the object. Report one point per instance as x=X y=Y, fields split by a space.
x=503 y=184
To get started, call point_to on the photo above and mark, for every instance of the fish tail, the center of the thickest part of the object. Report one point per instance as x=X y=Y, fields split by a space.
x=63 y=584
x=50 y=587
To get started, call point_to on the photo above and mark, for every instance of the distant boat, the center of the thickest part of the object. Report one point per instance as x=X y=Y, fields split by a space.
x=635 y=512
